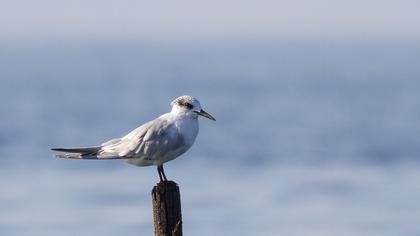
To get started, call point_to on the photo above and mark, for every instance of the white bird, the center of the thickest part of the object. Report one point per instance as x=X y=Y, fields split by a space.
x=153 y=143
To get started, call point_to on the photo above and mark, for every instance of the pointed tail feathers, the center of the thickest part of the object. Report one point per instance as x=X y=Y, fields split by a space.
x=78 y=153
x=83 y=153
x=82 y=150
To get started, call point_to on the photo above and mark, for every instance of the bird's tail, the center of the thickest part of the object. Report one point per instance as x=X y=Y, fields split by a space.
x=78 y=153
x=93 y=153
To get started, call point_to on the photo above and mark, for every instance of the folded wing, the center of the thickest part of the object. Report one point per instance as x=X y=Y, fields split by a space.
x=153 y=140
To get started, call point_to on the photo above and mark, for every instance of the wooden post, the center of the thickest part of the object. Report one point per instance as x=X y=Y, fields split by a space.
x=167 y=209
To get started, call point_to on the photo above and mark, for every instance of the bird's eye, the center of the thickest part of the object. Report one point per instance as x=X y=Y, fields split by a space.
x=189 y=105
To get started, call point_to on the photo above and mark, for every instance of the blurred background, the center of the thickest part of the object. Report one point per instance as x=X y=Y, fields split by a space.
x=317 y=102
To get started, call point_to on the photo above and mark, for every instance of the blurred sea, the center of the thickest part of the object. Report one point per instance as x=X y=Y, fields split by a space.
x=311 y=138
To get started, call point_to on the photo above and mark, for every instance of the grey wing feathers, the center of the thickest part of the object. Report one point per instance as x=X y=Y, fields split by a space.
x=150 y=141
x=147 y=141
x=119 y=148
x=138 y=142
x=82 y=150
x=83 y=153
x=159 y=141
x=79 y=152
x=124 y=147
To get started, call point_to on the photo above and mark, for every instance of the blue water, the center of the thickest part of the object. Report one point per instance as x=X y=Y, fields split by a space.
x=311 y=138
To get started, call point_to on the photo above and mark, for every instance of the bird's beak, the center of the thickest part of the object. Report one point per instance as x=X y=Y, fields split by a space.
x=205 y=114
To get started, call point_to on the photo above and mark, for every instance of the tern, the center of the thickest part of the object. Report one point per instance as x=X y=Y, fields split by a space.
x=153 y=143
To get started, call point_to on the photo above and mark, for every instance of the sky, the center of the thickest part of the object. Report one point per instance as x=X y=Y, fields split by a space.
x=216 y=18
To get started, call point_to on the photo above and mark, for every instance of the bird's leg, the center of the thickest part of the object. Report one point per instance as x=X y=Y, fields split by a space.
x=159 y=167
x=163 y=173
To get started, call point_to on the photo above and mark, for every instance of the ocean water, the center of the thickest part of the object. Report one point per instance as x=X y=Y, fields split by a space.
x=311 y=138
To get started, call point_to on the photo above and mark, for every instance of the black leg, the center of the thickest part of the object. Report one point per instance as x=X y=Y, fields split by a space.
x=159 y=172
x=163 y=173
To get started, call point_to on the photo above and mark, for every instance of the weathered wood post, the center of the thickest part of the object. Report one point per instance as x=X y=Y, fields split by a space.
x=167 y=209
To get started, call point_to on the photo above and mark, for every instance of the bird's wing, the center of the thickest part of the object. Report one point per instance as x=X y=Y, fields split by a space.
x=155 y=139
x=78 y=153
x=151 y=140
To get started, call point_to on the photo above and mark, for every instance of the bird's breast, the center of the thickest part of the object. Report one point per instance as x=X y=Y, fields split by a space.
x=188 y=128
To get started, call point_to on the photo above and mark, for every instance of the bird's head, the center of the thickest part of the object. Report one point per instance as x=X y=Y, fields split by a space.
x=190 y=104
